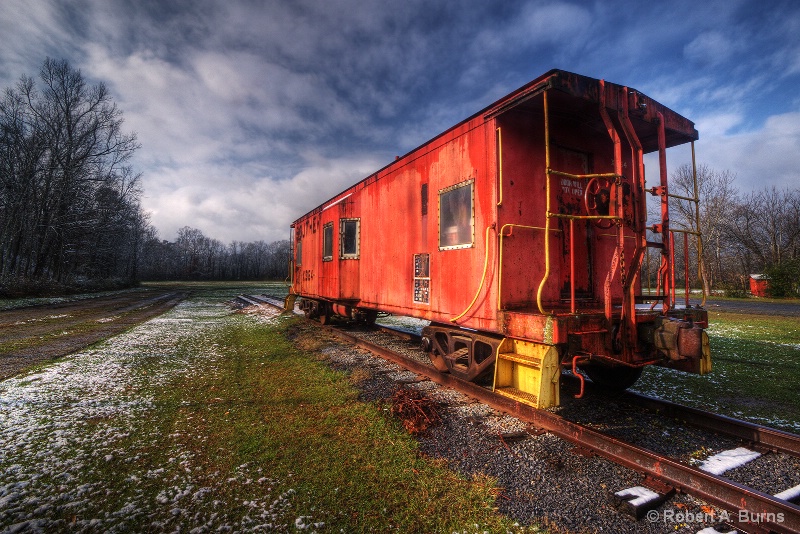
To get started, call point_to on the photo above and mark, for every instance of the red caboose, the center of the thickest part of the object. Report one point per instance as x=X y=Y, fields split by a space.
x=520 y=234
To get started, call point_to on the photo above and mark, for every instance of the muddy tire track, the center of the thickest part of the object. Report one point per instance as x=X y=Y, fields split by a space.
x=37 y=334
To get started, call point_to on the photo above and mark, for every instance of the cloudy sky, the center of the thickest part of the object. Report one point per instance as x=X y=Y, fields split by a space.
x=250 y=113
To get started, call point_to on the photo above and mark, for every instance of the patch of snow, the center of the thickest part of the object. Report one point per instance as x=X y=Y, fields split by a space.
x=93 y=409
x=789 y=494
x=727 y=460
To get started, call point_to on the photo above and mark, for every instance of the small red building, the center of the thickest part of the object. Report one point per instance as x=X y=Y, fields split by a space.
x=759 y=285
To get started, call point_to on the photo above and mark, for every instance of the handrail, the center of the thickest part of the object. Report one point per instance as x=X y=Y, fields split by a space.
x=697 y=232
x=584 y=217
x=547 y=208
x=483 y=277
x=584 y=176
x=679 y=197
x=700 y=270
x=500 y=273
x=684 y=231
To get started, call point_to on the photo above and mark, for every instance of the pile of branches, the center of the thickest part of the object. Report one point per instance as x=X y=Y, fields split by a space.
x=416 y=411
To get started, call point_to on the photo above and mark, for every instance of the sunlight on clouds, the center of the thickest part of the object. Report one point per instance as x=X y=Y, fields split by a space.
x=759 y=158
x=161 y=103
x=251 y=114
x=229 y=203
x=718 y=124
x=709 y=48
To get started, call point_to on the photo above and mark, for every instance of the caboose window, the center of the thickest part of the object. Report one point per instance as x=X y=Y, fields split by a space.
x=456 y=216
x=299 y=253
x=349 y=239
x=327 y=242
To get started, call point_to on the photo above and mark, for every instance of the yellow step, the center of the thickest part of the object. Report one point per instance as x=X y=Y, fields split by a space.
x=530 y=361
x=516 y=394
x=528 y=372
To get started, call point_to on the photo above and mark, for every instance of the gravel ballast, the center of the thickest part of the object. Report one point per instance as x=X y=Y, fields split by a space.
x=542 y=479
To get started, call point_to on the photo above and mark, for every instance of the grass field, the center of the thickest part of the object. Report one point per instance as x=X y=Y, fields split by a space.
x=211 y=420
x=755 y=376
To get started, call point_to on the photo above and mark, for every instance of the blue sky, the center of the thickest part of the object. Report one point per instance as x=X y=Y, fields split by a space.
x=250 y=113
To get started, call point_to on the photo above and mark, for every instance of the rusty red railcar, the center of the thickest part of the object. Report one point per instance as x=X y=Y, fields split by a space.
x=520 y=234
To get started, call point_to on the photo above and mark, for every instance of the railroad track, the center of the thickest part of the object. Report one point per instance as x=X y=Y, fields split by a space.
x=749 y=510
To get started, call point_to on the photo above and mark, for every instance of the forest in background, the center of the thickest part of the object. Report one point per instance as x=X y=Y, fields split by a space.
x=71 y=217
x=744 y=233
x=70 y=211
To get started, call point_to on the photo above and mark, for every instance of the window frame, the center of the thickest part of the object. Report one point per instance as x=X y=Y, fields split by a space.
x=342 y=241
x=466 y=183
x=325 y=227
x=298 y=253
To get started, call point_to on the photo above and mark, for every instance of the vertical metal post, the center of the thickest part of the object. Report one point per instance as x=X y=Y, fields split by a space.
x=639 y=222
x=572 y=265
x=669 y=275
x=686 y=266
x=616 y=195
x=547 y=209
x=671 y=270
x=700 y=270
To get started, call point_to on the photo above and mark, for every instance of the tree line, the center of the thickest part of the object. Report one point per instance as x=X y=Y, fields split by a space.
x=744 y=233
x=69 y=201
x=70 y=212
x=193 y=256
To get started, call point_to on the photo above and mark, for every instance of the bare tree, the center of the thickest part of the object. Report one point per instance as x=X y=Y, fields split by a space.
x=718 y=201
x=69 y=199
x=765 y=227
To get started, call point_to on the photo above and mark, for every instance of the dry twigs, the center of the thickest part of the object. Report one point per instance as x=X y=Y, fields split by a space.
x=416 y=411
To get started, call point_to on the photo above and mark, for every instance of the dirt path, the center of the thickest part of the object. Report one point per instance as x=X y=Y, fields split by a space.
x=29 y=336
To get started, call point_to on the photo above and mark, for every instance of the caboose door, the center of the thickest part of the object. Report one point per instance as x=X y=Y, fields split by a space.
x=569 y=197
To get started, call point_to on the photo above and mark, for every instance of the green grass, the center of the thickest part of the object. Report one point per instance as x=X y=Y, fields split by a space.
x=350 y=466
x=256 y=433
x=755 y=376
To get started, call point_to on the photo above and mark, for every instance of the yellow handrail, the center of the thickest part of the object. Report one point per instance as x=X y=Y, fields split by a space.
x=684 y=231
x=679 y=197
x=547 y=209
x=483 y=277
x=584 y=176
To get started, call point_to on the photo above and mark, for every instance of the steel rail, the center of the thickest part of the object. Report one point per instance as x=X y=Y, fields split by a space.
x=760 y=436
x=750 y=510
x=736 y=498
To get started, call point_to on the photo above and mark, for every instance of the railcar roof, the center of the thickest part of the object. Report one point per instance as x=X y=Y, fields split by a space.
x=576 y=97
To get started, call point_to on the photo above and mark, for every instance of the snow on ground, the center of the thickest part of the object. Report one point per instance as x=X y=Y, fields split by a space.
x=60 y=427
